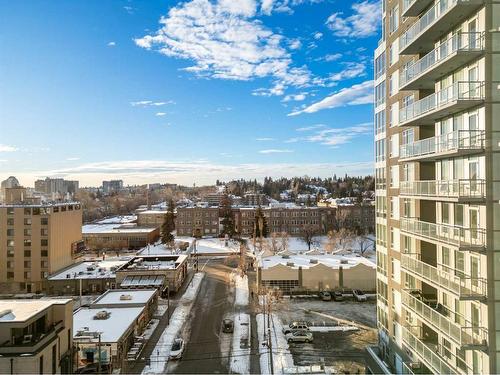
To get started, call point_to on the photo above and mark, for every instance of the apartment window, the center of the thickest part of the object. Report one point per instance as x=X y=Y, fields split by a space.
x=44 y=264
x=380 y=122
x=380 y=150
x=10 y=243
x=10 y=221
x=27 y=264
x=27 y=221
x=27 y=253
x=445 y=256
x=10 y=264
x=10 y=275
x=380 y=94
x=459 y=215
x=445 y=213
x=27 y=211
x=27 y=232
x=10 y=211
x=407 y=212
x=459 y=264
x=44 y=221
x=27 y=243
x=393 y=19
x=447 y=348
x=27 y=275
x=380 y=66
x=10 y=253
x=44 y=242
x=10 y=232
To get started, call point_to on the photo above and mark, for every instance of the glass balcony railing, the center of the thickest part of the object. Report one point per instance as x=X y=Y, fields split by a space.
x=451 y=189
x=463 y=90
x=458 y=42
x=429 y=355
x=463 y=287
x=430 y=17
x=432 y=314
x=454 y=141
x=466 y=238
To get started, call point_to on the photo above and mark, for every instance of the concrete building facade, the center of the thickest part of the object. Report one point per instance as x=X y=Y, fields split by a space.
x=36 y=240
x=437 y=102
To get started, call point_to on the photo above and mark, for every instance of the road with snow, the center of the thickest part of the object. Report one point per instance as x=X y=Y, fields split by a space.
x=207 y=348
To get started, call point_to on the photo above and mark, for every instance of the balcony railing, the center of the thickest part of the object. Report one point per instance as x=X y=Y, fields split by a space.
x=465 y=336
x=463 y=90
x=463 y=287
x=35 y=343
x=463 y=238
x=461 y=190
x=467 y=42
x=432 y=359
x=444 y=144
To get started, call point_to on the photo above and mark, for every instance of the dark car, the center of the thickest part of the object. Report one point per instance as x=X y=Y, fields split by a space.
x=227 y=326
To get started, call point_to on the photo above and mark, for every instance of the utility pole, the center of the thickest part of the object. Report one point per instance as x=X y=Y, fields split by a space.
x=270 y=342
x=99 y=353
x=168 y=304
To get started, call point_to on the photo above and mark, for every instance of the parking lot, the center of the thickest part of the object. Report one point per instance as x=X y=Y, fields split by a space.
x=345 y=350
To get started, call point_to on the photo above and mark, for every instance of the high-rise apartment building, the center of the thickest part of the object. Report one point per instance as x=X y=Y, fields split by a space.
x=437 y=142
x=35 y=241
x=56 y=186
x=112 y=186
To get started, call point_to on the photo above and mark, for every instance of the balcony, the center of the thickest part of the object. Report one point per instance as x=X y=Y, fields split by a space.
x=465 y=288
x=427 y=354
x=458 y=50
x=456 y=143
x=375 y=362
x=457 y=191
x=413 y=8
x=434 y=23
x=465 y=239
x=454 y=98
x=34 y=344
x=439 y=318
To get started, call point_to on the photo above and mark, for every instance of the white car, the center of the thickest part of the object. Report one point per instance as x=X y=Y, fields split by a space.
x=177 y=349
x=299 y=336
x=295 y=326
x=359 y=295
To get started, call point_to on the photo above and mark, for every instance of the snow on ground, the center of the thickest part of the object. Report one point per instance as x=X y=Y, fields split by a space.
x=241 y=345
x=216 y=246
x=282 y=358
x=161 y=352
x=333 y=329
x=148 y=332
x=241 y=287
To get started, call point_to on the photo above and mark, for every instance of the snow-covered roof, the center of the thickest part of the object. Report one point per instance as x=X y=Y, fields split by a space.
x=151 y=263
x=112 y=328
x=115 y=228
x=100 y=269
x=124 y=297
x=307 y=261
x=152 y=212
x=21 y=310
x=118 y=220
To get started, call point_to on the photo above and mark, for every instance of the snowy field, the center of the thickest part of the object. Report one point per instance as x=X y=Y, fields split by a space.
x=159 y=357
x=203 y=246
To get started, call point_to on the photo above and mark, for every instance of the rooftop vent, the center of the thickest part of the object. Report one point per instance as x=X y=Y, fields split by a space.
x=286 y=256
x=90 y=268
x=313 y=261
x=290 y=264
x=102 y=315
x=126 y=297
x=344 y=261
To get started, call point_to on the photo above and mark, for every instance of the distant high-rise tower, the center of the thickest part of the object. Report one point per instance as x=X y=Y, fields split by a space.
x=437 y=142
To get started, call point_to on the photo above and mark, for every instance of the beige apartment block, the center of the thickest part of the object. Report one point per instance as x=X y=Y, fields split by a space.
x=35 y=241
x=437 y=142
x=36 y=336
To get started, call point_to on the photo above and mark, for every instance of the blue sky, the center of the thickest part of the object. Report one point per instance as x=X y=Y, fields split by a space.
x=186 y=91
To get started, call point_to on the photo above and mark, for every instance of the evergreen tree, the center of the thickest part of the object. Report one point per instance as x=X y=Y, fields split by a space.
x=226 y=214
x=168 y=226
x=260 y=222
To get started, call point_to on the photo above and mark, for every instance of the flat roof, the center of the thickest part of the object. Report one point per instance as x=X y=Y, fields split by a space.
x=155 y=262
x=98 y=269
x=118 y=219
x=23 y=310
x=115 y=228
x=304 y=261
x=152 y=212
x=111 y=328
x=124 y=297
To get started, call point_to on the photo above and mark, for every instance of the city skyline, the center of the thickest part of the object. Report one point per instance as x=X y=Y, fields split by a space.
x=119 y=86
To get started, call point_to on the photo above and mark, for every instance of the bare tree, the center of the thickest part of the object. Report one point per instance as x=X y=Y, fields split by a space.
x=309 y=232
x=285 y=241
x=332 y=242
x=346 y=237
x=275 y=243
x=364 y=243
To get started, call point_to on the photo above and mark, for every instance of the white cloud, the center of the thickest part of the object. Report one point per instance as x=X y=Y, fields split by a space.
x=275 y=151
x=358 y=94
x=283 y=6
x=308 y=128
x=150 y=103
x=129 y=9
x=7 y=148
x=318 y=35
x=295 y=44
x=339 y=136
x=160 y=114
x=265 y=139
x=111 y=44
x=224 y=41
x=352 y=70
x=363 y=22
x=72 y=159
x=295 y=97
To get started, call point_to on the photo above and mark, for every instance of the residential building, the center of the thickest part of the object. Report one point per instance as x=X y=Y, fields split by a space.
x=112 y=186
x=56 y=186
x=36 y=336
x=36 y=240
x=151 y=218
x=197 y=221
x=9 y=183
x=437 y=152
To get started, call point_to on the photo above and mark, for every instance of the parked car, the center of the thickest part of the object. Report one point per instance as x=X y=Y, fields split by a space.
x=325 y=296
x=359 y=295
x=227 y=326
x=296 y=326
x=177 y=349
x=338 y=296
x=299 y=336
